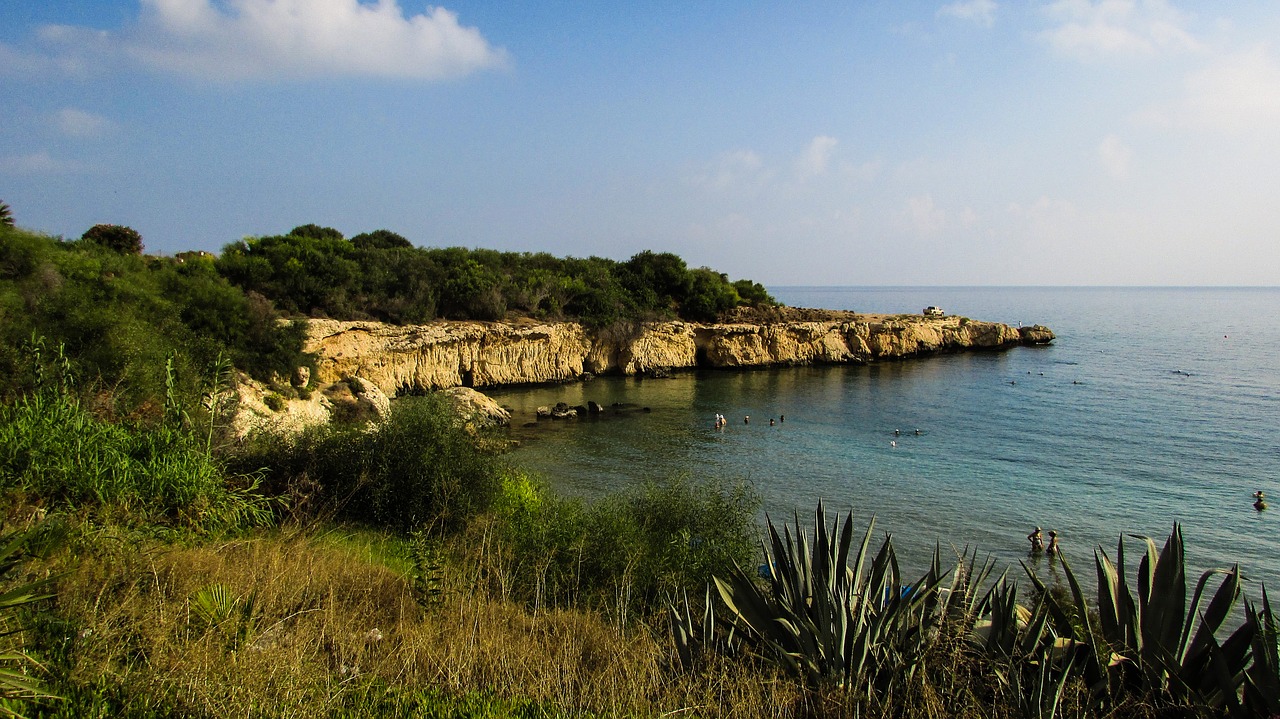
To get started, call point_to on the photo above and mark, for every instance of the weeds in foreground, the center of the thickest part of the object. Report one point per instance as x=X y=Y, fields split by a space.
x=54 y=448
x=331 y=634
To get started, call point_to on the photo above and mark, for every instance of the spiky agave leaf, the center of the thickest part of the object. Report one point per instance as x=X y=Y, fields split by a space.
x=1261 y=694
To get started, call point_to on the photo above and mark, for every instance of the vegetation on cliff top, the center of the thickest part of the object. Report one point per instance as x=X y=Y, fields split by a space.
x=380 y=275
x=121 y=315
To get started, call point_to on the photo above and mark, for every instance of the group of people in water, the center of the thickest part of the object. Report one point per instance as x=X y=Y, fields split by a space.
x=1037 y=542
x=898 y=433
x=722 y=421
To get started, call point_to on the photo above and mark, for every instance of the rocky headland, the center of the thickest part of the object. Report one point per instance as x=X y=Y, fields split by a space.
x=417 y=358
x=360 y=364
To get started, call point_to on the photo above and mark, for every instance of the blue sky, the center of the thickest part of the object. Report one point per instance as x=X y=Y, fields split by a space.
x=977 y=142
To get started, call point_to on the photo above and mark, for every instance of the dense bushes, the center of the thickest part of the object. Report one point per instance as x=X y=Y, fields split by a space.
x=381 y=275
x=57 y=453
x=627 y=550
x=116 y=238
x=122 y=316
x=419 y=469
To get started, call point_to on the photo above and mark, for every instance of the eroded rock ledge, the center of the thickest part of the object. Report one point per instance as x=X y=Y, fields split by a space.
x=440 y=355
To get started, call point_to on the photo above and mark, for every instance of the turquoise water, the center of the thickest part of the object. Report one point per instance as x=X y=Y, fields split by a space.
x=1153 y=406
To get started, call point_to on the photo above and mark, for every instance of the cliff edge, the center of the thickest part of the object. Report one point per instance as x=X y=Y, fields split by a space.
x=439 y=355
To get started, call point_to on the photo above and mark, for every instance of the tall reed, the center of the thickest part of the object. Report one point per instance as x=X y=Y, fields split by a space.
x=55 y=450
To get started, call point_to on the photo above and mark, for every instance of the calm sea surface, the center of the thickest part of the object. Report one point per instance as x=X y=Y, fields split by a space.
x=1153 y=406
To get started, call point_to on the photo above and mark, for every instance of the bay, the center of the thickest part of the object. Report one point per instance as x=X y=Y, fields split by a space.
x=1153 y=406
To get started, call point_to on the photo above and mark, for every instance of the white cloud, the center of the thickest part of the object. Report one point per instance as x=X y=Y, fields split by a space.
x=816 y=156
x=39 y=163
x=1236 y=93
x=1087 y=30
x=734 y=171
x=1115 y=156
x=1046 y=219
x=861 y=173
x=925 y=217
x=282 y=39
x=982 y=12
x=78 y=123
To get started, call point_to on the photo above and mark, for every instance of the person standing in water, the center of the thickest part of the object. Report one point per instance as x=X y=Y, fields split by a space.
x=1053 y=543
x=1037 y=541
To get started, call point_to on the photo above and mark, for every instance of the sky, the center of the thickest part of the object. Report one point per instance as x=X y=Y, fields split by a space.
x=976 y=142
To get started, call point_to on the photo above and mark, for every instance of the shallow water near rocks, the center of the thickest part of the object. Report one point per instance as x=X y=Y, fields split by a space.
x=1153 y=406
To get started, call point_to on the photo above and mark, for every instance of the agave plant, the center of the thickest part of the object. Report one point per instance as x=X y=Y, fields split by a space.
x=830 y=615
x=1029 y=659
x=694 y=637
x=1157 y=645
x=1262 y=679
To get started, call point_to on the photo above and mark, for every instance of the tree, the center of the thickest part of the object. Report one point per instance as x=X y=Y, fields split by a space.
x=753 y=293
x=380 y=240
x=6 y=215
x=316 y=232
x=658 y=280
x=118 y=238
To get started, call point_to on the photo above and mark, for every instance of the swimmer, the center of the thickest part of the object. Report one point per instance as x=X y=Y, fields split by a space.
x=917 y=433
x=771 y=421
x=1053 y=543
x=897 y=433
x=746 y=420
x=893 y=443
x=1037 y=541
x=782 y=418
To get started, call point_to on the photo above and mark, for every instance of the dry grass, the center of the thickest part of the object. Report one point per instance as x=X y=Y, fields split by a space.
x=337 y=629
x=333 y=628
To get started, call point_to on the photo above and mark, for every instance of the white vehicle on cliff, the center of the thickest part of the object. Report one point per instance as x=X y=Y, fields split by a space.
x=932 y=311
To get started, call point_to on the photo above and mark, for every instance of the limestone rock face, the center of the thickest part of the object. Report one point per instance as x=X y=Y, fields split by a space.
x=251 y=413
x=1036 y=335
x=476 y=408
x=658 y=346
x=447 y=354
x=477 y=354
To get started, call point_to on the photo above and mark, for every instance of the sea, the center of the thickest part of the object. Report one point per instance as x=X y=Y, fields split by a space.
x=1153 y=406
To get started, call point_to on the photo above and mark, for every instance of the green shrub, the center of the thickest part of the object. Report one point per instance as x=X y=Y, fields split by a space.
x=55 y=450
x=419 y=469
x=381 y=275
x=116 y=238
x=121 y=317
x=629 y=549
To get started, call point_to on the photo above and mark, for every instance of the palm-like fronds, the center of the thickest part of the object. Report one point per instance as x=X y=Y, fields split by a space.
x=16 y=681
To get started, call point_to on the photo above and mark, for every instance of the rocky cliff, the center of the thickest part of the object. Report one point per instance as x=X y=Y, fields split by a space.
x=477 y=354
